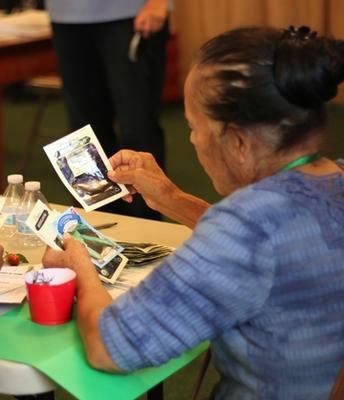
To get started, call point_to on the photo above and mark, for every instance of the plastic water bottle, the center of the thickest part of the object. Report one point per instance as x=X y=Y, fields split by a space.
x=12 y=196
x=25 y=236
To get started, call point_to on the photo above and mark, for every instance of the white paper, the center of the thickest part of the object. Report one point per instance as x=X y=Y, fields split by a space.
x=12 y=283
x=82 y=165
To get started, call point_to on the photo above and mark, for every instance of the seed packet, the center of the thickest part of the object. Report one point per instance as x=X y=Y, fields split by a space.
x=50 y=226
x=82 y=165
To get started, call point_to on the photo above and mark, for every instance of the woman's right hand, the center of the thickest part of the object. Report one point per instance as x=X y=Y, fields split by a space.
x=141 y=174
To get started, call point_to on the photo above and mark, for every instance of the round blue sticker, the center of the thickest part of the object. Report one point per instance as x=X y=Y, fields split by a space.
x=67 y=223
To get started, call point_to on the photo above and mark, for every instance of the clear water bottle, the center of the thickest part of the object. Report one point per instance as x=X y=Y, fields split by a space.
x=12 y=196
x=25 y=236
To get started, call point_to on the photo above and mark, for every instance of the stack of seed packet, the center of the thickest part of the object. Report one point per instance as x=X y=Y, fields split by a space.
x=140 y=254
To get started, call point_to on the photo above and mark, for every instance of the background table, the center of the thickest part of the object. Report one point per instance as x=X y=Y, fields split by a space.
x=26 y=50
x=55 y=345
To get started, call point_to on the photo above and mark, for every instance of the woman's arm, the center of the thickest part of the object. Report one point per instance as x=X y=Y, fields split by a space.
x=92 y=298
x=144 y=176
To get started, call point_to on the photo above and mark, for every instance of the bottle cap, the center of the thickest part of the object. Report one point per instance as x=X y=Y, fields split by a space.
x=14 y=179
x=32 y=186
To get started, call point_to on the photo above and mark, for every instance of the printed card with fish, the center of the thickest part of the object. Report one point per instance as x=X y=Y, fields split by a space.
x=81 y=164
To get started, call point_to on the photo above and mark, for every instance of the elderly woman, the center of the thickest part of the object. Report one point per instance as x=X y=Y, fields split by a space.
x=262 y=276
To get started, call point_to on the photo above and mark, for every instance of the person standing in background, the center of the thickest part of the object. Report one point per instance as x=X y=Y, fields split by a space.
x=112 y=58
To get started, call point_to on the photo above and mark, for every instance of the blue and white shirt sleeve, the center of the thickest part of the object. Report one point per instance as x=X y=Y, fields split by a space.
x=219 y=278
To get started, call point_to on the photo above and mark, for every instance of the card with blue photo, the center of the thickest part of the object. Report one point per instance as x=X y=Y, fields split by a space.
x=105 y=253
x=101 y=248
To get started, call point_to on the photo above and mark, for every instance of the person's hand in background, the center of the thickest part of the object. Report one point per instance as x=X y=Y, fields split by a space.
x=151 y=17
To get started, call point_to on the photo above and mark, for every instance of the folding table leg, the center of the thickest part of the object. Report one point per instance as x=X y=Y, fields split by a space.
x=156 y=393
x=40 y=396
x=46 y=396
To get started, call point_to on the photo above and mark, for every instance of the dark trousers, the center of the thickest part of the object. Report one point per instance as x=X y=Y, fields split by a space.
x=102 y=86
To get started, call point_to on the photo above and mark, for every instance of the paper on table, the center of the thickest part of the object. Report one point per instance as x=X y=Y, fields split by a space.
x=14 y=296
x=12 y=284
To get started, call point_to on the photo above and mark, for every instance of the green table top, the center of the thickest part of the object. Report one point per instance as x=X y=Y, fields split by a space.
x=57 y=352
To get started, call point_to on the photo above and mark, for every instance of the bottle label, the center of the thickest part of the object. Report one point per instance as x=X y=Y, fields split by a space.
x=10 y=219
x=22 y=227
x=2 y=219
x=2 y=203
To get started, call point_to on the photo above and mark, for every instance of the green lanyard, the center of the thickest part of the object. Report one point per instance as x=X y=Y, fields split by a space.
x=302 y=161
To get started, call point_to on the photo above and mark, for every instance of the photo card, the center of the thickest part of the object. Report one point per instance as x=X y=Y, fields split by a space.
x=50 y=226
x=82 y=165
x=100 y=248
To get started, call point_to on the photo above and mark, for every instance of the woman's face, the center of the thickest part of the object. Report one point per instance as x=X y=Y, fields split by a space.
x=211 y=143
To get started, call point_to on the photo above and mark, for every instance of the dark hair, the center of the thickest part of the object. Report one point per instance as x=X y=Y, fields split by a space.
x=265 y=76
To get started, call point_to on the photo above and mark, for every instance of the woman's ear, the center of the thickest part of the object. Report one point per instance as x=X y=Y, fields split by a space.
x=239 y=142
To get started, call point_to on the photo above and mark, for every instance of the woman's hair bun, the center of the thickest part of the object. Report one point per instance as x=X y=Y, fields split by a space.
x=308 y=68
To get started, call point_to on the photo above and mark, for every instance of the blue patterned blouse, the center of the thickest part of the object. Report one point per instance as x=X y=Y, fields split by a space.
x=262 y=277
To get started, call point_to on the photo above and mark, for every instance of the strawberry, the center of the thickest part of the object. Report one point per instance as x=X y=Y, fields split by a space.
x=13 y=259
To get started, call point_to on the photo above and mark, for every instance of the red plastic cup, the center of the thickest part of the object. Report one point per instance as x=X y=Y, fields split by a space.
x=50 y=294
